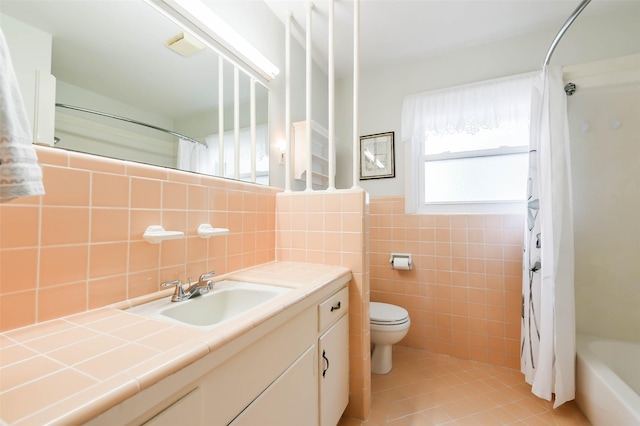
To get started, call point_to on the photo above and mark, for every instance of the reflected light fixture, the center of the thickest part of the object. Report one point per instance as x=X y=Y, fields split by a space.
x=282 y=150
x=373 y=160
x=218 y=34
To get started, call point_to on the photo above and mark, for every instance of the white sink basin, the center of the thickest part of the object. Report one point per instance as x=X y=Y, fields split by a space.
x=226 y=301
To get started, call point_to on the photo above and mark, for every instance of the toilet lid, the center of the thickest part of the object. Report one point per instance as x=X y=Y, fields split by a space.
x=384 y=313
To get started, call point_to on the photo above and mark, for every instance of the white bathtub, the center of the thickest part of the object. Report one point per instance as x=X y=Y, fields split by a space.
x=608 y=380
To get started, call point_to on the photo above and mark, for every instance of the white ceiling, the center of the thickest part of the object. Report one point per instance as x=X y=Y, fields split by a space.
x=403 y=30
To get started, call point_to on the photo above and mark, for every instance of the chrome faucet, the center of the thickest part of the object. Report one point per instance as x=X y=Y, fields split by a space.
x=203 y=286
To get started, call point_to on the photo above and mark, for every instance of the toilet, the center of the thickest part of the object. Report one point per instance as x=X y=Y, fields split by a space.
x=389 y=324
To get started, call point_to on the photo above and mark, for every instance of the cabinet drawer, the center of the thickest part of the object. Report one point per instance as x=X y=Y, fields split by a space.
x=333 y=308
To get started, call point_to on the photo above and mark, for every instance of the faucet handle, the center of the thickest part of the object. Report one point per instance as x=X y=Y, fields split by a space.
x=179 y=294
x=207 y=275
x=171 y=283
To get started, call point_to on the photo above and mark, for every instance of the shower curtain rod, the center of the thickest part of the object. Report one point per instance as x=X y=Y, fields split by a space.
x=564 y=28
x=129 y=120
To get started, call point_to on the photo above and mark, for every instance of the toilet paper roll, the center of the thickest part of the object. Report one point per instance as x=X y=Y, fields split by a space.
x=401 y=263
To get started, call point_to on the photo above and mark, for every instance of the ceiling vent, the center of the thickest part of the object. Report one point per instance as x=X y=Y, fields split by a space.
x=185 y=44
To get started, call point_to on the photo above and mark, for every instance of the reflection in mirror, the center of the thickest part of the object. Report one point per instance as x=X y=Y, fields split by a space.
x=111 y=57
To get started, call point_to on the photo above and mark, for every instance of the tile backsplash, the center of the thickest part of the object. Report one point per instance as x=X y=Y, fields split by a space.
x=464 y=292
x=80 y=245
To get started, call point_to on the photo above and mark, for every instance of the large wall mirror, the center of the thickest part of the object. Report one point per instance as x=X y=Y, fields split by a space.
x=111 y=57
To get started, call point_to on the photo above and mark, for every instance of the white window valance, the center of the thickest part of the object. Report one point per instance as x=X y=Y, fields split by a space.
x=469 y=108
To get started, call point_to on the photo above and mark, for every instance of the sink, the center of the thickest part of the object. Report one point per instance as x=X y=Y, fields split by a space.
x=218 y=306
x=227 y=300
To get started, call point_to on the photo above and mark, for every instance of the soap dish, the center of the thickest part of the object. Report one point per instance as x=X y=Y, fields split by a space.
x=156 y=234
x=205 y=231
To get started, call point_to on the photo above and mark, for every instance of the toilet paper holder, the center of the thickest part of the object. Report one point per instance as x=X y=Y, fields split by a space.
x=401 y=261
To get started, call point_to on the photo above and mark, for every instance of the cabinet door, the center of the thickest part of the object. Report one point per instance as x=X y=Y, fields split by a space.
x=292 y=400
x=334 y=372
x=186 y=410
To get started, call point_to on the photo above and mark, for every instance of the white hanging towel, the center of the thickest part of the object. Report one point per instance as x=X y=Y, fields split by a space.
x=20 y=174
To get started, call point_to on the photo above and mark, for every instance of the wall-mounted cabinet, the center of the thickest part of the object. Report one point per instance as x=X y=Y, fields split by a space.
x=319 y=153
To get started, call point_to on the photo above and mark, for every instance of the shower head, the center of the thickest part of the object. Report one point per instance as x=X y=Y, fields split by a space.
x=570 y=89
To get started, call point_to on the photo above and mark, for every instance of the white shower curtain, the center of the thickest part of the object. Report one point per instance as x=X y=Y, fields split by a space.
x=548 y=316
x=194 y=157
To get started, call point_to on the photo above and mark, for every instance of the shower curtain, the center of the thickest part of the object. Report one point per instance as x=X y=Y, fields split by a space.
x=194 y=157
x=547 y=356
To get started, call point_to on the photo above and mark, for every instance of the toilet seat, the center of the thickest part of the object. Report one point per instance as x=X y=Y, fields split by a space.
x=387 y=315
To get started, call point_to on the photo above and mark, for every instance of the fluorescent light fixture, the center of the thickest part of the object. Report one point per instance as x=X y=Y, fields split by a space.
x=225 y=39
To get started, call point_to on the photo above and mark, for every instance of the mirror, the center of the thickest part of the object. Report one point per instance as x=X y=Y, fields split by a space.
x=111 y=57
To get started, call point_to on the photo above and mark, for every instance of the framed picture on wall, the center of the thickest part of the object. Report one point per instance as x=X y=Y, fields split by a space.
x=377 y=156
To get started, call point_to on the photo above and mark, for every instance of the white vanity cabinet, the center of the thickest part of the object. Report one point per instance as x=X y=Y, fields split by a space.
x=186 y=410
x=296 y=399
x=290 y=400
x=292 y=370
x=333 y=357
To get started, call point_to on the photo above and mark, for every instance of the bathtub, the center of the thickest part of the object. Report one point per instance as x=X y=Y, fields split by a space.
x=608 y=380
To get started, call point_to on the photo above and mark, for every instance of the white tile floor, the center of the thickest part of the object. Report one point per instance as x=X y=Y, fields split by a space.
x=426 y=389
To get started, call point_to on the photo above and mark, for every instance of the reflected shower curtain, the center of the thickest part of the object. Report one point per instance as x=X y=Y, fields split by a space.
x=547 y=356
x=194 y=157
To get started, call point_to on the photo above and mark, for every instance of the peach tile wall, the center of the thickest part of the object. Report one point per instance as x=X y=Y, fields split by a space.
x=80 y=245
x=332 y=228
x=464 y=293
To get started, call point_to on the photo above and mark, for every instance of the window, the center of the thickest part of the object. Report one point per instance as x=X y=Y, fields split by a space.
x=468 y=148
x=489 y=166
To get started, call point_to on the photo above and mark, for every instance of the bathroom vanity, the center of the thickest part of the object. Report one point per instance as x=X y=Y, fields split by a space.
x=284 y=362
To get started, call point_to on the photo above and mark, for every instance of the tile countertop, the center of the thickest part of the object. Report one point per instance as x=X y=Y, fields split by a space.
x=71 y=369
